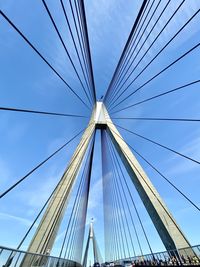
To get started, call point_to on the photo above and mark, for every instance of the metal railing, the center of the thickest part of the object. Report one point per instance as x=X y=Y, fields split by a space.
x=186 y=256
x=15 y=258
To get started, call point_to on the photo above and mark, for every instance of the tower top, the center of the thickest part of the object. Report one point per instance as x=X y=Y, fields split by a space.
x=99 y=117
x=91 y=228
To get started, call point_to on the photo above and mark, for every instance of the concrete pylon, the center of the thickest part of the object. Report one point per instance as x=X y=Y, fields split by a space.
x=90 y=237
x=46 y=232
x=91 y=230
x=166 y=226
x=96 y=253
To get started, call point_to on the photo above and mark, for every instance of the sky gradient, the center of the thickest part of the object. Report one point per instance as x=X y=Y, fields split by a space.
x=26 y=82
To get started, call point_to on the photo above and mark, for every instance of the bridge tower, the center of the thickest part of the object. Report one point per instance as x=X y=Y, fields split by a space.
x=91 y=238
x=167 y=228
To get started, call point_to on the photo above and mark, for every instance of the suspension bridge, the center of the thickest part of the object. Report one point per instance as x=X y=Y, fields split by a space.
x=107 y=129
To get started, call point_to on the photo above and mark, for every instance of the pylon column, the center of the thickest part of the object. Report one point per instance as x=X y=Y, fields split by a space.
x=47 y=230
x=169 y=231
x=91 y=237
x=166 y=226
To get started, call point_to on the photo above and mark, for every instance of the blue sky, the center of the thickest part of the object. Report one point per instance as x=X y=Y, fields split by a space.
x=26 y=82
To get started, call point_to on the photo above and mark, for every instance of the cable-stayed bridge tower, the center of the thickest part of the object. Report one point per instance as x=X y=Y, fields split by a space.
x=135 y=61
x=170 y=233
x=96 y=252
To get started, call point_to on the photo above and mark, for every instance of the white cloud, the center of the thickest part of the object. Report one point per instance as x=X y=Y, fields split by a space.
x=10 y=217
x=37 y=196
x=95 y=195
x=189 y=149
x=60 y=236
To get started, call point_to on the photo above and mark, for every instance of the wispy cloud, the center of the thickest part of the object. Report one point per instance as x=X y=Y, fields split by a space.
x=95 y=196
x=35 y=196
x=190 y=148
x=11 y=217
x=60 y=236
